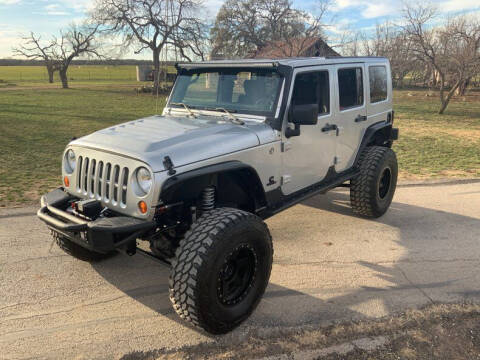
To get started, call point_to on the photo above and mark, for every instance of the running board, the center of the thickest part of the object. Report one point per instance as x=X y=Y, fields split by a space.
x=331 y=181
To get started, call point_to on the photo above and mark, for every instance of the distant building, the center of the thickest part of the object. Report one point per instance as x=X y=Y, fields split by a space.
x=295 y=47
x=146 y=73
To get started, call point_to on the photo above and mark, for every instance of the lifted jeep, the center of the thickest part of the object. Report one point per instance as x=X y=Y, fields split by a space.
x=238 y=142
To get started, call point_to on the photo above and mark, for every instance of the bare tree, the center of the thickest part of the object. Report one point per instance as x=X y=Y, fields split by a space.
x=351 y=42
x=244 y=26
x=151 y=24
x=462 y=36
x=191 y=40
x=34 y=49
x=75 y=42
x=60 y=51
x=392 y=42
x=451 y=51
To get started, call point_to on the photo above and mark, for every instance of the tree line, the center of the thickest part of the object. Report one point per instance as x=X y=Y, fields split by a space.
x=442 y=55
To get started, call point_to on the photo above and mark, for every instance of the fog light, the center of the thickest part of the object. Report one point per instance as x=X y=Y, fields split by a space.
x=142 y=207
x=66 y=181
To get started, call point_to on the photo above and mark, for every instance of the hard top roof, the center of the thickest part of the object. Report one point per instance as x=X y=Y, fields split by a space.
x=266 y=63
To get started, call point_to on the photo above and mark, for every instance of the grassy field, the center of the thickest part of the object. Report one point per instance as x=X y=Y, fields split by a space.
x=11 y=76
x=37 y=122
x=38 y=74
x=433 y=145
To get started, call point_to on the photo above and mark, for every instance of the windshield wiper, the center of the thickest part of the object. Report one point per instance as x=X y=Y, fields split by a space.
x=186 y=108
x=232 y=117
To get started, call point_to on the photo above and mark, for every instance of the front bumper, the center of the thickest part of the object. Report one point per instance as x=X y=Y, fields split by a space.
x=101 y=235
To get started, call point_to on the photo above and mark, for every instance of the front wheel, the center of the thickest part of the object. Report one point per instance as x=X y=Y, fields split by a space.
x=221 y=269
x=371 y=192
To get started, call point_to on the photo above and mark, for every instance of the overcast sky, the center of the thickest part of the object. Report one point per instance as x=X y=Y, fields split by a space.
x=46 y=17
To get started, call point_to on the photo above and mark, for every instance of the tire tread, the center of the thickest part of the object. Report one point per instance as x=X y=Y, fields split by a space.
x=363 y=186
x=192 y=252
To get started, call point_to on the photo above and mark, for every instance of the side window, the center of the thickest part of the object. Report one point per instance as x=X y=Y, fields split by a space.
x=350 y=87
x=312 y=88
x=378 y=83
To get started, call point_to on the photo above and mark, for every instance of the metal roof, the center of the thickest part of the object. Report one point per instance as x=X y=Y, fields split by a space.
x=293 y=62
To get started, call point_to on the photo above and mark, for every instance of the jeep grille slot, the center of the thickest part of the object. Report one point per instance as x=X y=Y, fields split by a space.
x=98 y=181
x=108 y=173
x=102 y=180
x=124 y=177
x=116 y=171
x=79 y=174
x=85 y=175
x=91 y=178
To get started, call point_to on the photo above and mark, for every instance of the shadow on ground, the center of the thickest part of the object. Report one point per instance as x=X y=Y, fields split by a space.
x=289 y=307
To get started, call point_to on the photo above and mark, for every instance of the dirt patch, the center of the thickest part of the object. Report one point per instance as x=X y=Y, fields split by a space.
x=448 y=331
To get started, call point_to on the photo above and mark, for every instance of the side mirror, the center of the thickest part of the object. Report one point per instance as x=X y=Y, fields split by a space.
x=304 y=114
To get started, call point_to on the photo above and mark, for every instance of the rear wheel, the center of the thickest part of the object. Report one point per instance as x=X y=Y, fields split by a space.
x=221 y=269
x=371 y=192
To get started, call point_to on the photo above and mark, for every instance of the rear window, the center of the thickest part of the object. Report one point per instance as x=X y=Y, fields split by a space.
x=378 y=83
x=350 y=86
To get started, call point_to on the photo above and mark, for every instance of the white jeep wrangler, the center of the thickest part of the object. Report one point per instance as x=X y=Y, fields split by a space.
x=238 y=142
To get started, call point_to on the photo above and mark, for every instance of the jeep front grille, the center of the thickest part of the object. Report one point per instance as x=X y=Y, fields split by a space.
x=102 y=180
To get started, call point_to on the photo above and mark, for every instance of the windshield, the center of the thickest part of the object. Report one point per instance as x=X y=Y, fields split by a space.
x=240 y=91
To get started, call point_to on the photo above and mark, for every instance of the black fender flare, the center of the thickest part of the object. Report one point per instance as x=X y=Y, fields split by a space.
x=381 y=133
x=193 y=181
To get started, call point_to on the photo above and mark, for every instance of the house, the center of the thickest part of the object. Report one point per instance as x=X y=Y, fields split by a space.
x=295 y=47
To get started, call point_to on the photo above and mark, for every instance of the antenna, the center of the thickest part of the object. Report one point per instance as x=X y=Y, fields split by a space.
x=170 y=21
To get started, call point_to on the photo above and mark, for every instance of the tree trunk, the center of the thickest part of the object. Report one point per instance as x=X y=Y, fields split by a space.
x=156 y=69
x=63 y=77
x=445 y=100
x=462 y=88
x=50 y=74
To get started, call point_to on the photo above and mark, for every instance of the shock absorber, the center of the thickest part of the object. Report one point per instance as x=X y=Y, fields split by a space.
x=208 y=198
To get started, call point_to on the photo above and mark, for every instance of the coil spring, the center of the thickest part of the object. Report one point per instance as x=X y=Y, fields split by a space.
x=208 y=198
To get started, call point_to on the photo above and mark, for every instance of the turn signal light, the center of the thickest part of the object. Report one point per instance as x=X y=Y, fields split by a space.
x=142 y=206
x=66 y=181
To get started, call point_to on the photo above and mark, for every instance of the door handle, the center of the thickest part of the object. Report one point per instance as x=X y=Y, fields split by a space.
x=360 y=118
x=329 y=127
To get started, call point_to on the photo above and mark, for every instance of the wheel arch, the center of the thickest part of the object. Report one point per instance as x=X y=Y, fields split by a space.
x=236 y=183
x=379 y=134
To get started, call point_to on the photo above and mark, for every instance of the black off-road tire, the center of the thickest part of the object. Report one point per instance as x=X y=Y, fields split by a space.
x=77 y=251
x=201 y=263
x=371 y=192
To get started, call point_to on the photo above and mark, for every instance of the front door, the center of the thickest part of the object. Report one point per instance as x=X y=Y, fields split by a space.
x=307 y=157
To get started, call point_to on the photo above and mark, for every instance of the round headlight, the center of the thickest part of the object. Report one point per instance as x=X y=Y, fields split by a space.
x=70 y=161
x=144 y=179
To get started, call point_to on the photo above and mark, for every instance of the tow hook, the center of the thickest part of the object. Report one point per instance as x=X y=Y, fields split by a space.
x=131 y=248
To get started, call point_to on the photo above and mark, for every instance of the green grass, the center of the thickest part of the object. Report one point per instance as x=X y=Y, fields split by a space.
x=76 y=73
x=433 y=145
x=36 y=124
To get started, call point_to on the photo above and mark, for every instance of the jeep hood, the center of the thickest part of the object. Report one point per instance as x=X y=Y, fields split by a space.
x=184 y=139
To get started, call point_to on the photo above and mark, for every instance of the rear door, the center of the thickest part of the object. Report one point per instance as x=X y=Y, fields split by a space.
x=307 y=157
x=350 y=112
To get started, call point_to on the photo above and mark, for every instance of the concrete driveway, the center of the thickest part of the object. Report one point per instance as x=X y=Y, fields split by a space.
x=329 y=266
